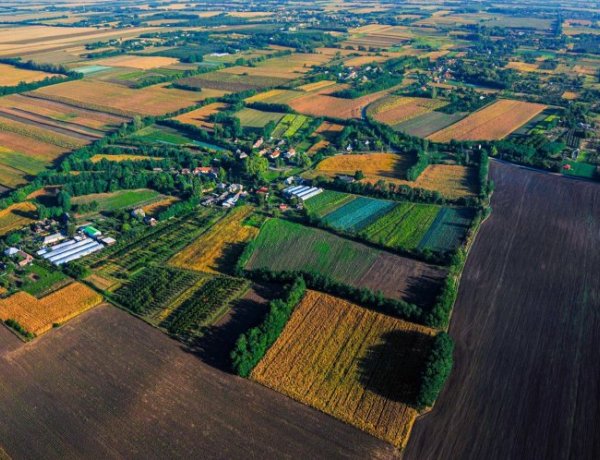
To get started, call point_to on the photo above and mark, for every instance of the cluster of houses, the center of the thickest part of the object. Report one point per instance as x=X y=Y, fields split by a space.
x=274 y=152
x=226 y=195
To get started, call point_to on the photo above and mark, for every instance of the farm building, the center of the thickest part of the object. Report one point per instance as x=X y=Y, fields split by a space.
x=91 y=231
x=54 y=238
x=302 y=192
x=70 y=250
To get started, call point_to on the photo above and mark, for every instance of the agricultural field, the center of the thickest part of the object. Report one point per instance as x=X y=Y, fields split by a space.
x=375 y=166
x=395 y=110
x=283 y=245
x=37 y=316
x=276 y=96
x=217 y=249
x=285 y=67
x=321 y=105
x=118 y=358
x=396 y=225
x=16 y=216
x=12 y=76
x=137 y=62
x=257 y=119
x=231 y=82
x=40 y=280
x=120 y=100
x=289 y=125
x=524 y=330
x=200 y=117
x=428 y=123
x=354 y=364
x=156 y=134
x=493 y=122
x=118 y=200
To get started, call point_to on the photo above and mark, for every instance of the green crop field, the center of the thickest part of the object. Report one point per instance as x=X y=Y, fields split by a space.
x=282 y=245
x=403 y=227
x=289 y=125
x=161 y=135
x=326 y=202
x=40 y=280
x=250 y=118
x=118 y=200
x=448 y=230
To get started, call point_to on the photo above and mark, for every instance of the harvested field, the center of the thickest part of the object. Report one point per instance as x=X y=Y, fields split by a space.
x=320 y=105
x=394 y=110
x=40 y=133
x=17 y=142
x=218 y=249
x=354 y=364
x=154 y=209
x=317 y=86
x=12 y=76
x=142 y=395
x=16 y=216
x=525 y=319
x=37 y=316
x=493 y=122
x=282 y=245
x=120 y=100
x=62 y=112
x=375 y=166
x=452 y=181
x=137 y=62
x=199 y=117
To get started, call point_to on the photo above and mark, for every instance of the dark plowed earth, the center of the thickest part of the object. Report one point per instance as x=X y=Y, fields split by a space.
x=107 y=385
x=526 y=383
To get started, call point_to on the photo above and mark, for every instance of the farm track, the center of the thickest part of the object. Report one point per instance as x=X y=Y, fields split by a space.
x=48 y=126
x=526 y=325
x=107 y=385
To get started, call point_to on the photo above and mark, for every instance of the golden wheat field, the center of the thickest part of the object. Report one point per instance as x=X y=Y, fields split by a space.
x=493 y=122
x=352 y=363
x=16 y=216
x=396 y=109
x=199 y=117
x=375 y=166
x=137 y=62
x=12 y=76
x=39 y=315
x=209 y=250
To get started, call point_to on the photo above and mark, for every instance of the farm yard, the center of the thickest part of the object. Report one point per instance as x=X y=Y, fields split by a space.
x=286 y=246
x=337 y=357
x=490 y=123
x=37 y=316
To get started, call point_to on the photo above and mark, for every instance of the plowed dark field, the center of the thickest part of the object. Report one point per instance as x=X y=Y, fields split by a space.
x=107 y=385
x=526 y=383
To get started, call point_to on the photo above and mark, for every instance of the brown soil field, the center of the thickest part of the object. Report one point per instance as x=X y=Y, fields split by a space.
x=113 y=386
x=12 y=76
x=525 y=381
x=493 y=122
x=39 y=133
x=97 y=95
x=354 y=364
x=321 y=105
x=396 y=109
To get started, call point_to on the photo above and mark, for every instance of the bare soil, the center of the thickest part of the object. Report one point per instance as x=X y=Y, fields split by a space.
x=526 y=382
x=107 y=385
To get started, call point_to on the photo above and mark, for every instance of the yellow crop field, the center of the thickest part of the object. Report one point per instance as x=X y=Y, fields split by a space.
x=309 y=87
x=375 y=166
x=160 y=205
x=453 y=181
x=493 y=122
x=199 y=117
x=112 y=98
x=104 y=156
x=523 y=66
x=12 y=76
x=16 y=216
x=207 y=252
x=570 y=95
x=349 y=362
x=393 y=110
x=137 y=62
x=275 y=96
x=39 y=315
